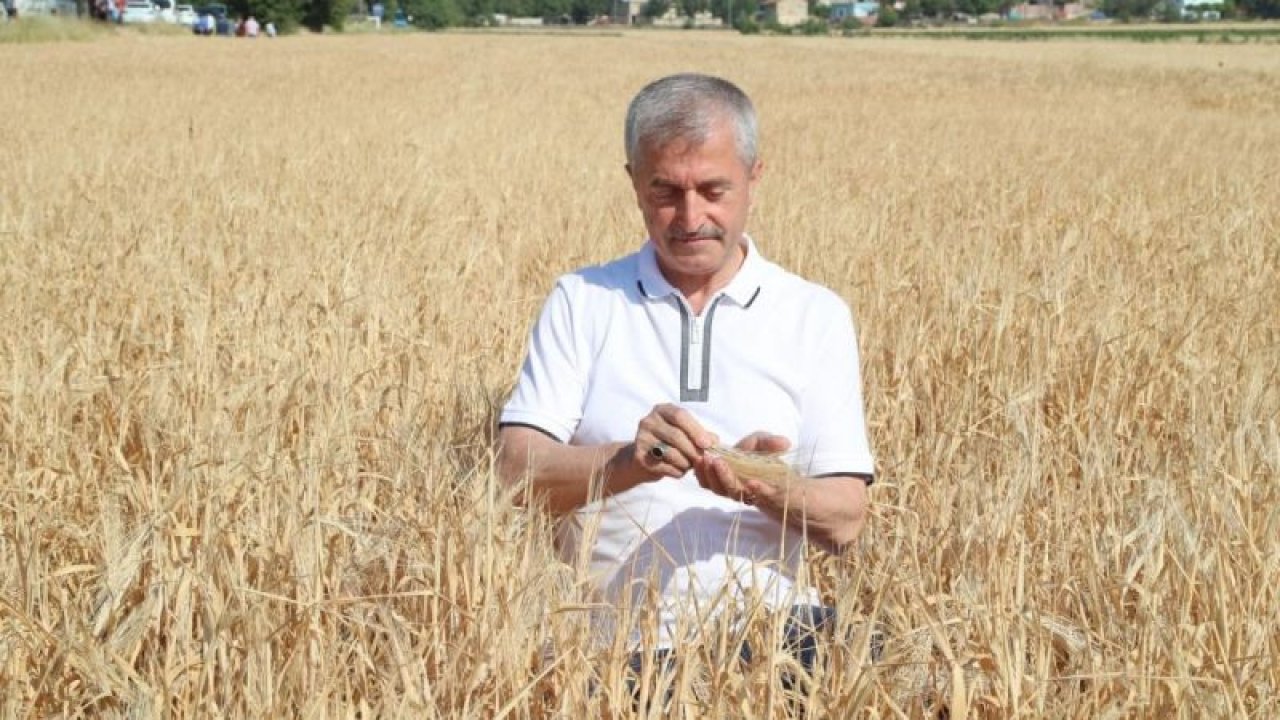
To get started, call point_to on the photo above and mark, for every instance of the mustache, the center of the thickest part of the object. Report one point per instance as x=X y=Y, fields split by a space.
x=706 y=232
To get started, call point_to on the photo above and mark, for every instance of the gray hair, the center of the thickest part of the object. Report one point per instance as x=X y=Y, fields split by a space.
x=683 y=107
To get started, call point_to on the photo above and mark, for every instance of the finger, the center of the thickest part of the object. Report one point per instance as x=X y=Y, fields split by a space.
x=684 y=420
x=754 y=492
x=763 y=442
x=725 y=483
x=773 y=444
x=713 y=475
x=666 y=445
x=677 y=431
x=664 y=462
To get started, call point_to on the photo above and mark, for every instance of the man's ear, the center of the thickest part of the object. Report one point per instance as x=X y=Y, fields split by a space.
x=753 y=179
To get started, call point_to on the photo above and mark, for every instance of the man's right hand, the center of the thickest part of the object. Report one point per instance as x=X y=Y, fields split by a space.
x=670 y=442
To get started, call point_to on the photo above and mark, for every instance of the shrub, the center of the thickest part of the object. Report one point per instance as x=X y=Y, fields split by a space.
x=813 y=26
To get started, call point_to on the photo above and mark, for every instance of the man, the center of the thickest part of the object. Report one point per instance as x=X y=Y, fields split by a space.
x=639 y=369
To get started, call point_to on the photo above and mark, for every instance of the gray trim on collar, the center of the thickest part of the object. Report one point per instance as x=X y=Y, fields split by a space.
x=742 y=288
x=703 y=392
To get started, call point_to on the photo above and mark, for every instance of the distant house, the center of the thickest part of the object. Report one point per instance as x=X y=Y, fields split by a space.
x=627 y=12
x=858 y=10
x=1199 y=9
x=1047 y=11
x=784 y=12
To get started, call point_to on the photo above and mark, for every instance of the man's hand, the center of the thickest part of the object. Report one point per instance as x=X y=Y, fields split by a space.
x=715 y=474
x=670 y=442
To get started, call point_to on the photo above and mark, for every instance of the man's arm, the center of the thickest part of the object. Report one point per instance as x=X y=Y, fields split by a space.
x=830 y=510
x=566 y=477
x=563 y=477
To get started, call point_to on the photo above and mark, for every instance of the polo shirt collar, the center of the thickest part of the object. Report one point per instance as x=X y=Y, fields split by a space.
x=742 y=289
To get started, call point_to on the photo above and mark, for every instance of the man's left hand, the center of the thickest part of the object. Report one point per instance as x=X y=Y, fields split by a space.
x=715 y=474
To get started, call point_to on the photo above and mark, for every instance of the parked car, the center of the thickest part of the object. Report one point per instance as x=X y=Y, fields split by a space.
x=209 y=18
x=184 y=15
x=164 y=11
x=138 y=12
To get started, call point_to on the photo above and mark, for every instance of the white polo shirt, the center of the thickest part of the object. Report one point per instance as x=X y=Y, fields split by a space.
x=771 y=352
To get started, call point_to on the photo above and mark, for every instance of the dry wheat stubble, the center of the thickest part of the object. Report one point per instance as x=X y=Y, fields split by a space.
x=261 y=307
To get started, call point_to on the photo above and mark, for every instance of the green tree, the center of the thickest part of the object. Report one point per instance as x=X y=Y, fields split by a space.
x=655 y=8
x=551 y=9
x=584 y=11
x=433 y=14
x=937 y=8
x=1129 y=9
x=514 y=8
x=887 y=17
x=1269 y=9
x=689 y=8
x=316 y=14
x=742 y=9
x=476 y=12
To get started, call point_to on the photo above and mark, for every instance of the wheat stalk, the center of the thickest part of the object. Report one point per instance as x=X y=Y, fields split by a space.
x=760 y=467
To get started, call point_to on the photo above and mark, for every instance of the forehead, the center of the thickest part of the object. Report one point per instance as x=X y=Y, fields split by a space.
x=714 y=154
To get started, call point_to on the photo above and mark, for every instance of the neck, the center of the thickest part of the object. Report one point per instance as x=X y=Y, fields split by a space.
x=698 y=290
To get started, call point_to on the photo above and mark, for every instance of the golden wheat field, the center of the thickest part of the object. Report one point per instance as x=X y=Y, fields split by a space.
x=262 y=301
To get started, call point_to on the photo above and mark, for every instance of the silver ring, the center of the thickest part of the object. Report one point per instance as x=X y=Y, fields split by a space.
x=659 y=451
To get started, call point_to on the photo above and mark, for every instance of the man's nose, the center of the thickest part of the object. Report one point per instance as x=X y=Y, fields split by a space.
x=691 y=212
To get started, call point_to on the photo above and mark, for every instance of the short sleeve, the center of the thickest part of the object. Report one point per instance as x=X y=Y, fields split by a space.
x=551 y=388
x=833 y=427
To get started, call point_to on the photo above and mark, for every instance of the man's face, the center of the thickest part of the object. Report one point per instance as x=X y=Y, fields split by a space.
x=695 y=200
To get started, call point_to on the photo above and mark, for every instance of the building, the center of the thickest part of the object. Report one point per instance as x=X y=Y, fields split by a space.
x=1199 y=9
x=784 y=12
x=864 y=11
x=627 y=12
x=1047 y=11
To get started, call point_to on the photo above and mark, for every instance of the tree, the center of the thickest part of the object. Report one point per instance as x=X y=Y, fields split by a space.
x=742 y=9
x=433 y=14
x=477 y=12
x=551 y=9
x=689 y=8
x=1269 y=9
x=316 y=14
x=887 y=17
x=584 y=11
x=655 y=8
x=937 y=8
x=1129 y=9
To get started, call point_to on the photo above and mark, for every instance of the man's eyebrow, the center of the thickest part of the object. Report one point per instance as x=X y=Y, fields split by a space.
x=713 y=183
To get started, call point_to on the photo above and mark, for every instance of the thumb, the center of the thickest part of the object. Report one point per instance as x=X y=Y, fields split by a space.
x=773 y=444
x=763 y=442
